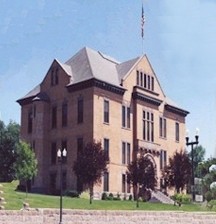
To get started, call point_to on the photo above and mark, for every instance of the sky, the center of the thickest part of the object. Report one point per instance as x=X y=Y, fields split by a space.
x=179 y=40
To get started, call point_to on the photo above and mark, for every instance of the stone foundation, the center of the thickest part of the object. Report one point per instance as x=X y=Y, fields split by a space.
x=51 y=216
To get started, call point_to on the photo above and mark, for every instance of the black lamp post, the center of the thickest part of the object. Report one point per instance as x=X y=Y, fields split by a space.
x=61 y=156
x=138 y=186
x=192 y=143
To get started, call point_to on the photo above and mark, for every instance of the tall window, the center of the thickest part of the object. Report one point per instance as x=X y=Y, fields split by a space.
x=106 y=111
x=145 y=81
x=79 y=146
x=54 y=77
x=52 y=183
x=79 y=151
x=54 y=116
x=126 y=153
x=125 y=185
x=177 y=131
x=64 y=114
x=64 y=180
x=80 y=110
x=125 y=116
x=106 y=146
x=106 y=181
x=163 y=159
x=53 y=153
x=163 y=127
x=64 y=146
x=30 y=121
x=148 y=126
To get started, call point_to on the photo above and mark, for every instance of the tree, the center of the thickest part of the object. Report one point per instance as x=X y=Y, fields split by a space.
x=9 y=137
x=141 y=174
x=26 y=163
x=90 y=165
x=178 y=173
x=198 y=157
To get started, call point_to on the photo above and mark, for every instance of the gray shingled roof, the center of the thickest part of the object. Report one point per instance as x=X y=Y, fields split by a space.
x=87 y=64
x=125 y=67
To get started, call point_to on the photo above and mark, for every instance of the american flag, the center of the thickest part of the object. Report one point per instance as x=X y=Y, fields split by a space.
x=142 y=22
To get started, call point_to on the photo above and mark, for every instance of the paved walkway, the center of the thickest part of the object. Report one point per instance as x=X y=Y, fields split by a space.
x=51 y=216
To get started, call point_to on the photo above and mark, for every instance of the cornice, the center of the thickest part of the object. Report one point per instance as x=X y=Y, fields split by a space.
x=145 y=98
x=96 y=83
x=176 y=110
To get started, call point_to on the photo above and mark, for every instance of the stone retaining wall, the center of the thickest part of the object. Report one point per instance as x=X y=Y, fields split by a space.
x=51 y=216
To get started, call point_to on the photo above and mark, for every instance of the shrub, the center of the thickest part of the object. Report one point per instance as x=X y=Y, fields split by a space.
x=104 y=196
x=130 y=197
x=110 y=197
x=208 y=196
x=182 y=198
x=72 y=194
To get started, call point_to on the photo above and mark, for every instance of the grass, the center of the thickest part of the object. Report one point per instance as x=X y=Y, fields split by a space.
x=15 y=201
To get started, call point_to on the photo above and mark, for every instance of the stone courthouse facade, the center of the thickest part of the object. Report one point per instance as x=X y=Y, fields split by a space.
x=92 y=96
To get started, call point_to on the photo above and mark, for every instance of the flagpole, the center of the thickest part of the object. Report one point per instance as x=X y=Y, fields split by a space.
x=142 y=27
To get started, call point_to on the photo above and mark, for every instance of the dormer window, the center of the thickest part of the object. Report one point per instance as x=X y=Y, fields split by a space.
x=145 y=81
x=54 y=77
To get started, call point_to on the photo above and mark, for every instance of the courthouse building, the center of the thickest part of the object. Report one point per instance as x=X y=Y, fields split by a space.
x=92 y=96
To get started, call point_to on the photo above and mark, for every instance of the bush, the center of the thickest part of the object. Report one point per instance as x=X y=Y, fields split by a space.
x=110 y=197
x=72 y=194
x=104 y=196
x=130 y=197
x=182 y=198
x=208 y=196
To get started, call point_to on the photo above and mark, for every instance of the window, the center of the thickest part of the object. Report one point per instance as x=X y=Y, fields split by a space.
x=64 y=114
x=30 y=121
x=106 y=146
x=163 y=159
x=54 y=116
x=52 y=183
x=162 y=126
x=80 y=110
x=54 y=77
x=34 y=111
x=177 y=131
x=106 y=181
x=79 y=151
x=64 y=146
x=53 y=153
x=148 y=126
x=125 y=116
x=64 y=180
x=79 y=146
x=126 y=152
x=145 y=81
x=106 y=111
x=125 y=185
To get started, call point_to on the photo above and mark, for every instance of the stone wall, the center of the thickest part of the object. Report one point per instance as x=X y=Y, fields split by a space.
x=51 y=216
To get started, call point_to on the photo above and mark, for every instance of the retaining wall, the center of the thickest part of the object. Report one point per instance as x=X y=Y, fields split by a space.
x=51 y=216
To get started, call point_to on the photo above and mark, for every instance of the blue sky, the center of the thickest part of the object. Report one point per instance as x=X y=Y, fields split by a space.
x=180 y=42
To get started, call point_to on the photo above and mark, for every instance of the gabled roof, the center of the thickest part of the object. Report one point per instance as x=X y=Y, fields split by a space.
x=88 y=64
x=125 y=67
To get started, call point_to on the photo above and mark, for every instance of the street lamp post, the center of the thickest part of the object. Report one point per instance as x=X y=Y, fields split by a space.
x=61 y=156
x=138 y=186
x=192 y=143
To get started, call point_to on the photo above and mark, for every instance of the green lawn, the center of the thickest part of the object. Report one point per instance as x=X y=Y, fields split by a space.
x=15 y=200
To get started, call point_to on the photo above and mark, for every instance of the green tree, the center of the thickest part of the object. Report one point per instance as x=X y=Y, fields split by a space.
x=178 y=173
x=9 y=137
x=141 y=174
x=26 y=163
x=198 y=155
x=90 y=165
